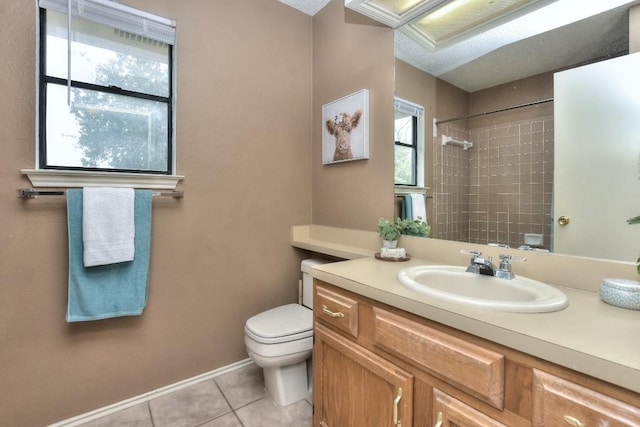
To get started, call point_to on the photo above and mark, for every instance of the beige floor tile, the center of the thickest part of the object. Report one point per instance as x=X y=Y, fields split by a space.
x=204 y=405
x=228 y=420
x=189 y=407
x=136 y=416
x=265 y=413
x=242 y=386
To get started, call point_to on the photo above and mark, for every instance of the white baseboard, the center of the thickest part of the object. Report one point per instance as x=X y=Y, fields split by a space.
x=101 y=412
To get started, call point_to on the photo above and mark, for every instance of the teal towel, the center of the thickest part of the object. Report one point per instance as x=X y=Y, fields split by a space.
x=407 y=210
x=112 y=290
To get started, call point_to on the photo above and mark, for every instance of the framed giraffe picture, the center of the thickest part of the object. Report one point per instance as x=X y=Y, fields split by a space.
x=345 y=128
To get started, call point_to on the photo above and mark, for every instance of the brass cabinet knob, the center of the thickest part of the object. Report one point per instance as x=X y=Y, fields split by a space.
x=328 y=312
x=396 y=401
x=439 y=420
x=564 y=220
x=573 y=421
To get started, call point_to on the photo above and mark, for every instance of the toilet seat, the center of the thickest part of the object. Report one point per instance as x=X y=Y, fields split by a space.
x=289 y=322
x=280 y=341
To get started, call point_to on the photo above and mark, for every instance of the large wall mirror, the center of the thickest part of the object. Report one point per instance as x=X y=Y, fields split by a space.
x=504 y=189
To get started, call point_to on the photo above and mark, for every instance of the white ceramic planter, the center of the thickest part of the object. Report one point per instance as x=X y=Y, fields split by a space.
x=390 y=244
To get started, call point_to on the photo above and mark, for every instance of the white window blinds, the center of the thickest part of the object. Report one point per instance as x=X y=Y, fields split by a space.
x=117 y=16
x=408 y=107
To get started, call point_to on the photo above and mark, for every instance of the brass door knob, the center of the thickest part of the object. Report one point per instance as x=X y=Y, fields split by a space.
x=564 y=220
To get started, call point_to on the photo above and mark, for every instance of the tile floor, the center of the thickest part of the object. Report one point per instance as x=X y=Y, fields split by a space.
x=235 y=399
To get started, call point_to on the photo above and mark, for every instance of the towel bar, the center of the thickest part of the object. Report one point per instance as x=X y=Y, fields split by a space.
x=30 y=193
x=401 y=195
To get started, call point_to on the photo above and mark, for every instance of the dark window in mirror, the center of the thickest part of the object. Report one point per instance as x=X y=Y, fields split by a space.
x=406 y=148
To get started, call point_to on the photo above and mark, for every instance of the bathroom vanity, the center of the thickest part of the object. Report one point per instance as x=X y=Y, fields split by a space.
x=378 y=365
x=385 y=355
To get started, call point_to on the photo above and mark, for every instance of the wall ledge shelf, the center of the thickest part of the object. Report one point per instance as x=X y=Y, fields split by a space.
x=336 y=242
x=401 y=190
x=41 y=178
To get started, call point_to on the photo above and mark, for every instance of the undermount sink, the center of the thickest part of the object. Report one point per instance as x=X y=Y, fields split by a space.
x=454 y=284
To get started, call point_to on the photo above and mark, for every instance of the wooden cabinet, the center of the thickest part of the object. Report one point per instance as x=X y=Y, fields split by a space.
x=472 y=368
x=558 y=401
x=450 y=412
x=354 y=387
x=375 y=365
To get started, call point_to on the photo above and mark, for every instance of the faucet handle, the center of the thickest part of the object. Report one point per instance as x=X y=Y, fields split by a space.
x=475 y=255
x=470 y=252
x=508 y=258
x=476 y=259
x=498 y=245
x=504 y=271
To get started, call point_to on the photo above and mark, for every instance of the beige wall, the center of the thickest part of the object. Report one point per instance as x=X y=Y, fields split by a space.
x=220 y=255
x=517 y=92
x=352 y=53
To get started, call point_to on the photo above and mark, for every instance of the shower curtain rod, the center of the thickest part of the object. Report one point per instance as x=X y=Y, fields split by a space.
x=513 y=107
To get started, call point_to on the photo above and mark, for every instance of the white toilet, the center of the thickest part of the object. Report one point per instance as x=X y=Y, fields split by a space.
x=280 y=341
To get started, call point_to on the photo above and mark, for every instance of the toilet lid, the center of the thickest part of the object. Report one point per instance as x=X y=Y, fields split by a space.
x=285 y=323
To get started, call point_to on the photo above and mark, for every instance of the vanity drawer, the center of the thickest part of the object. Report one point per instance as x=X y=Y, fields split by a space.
x=449 y=411
x=335 y=309
x=476 y=370
x=559 y=402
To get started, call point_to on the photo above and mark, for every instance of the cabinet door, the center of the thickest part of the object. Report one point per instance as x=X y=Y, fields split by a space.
x=558 y=402
x=450 y=412
x=353 y=387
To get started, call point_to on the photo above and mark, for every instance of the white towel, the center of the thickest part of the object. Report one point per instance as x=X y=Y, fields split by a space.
x=419 y=206
x=108 y=227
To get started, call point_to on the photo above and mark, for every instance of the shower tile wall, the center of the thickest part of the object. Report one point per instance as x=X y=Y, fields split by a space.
x=501 y=188
x=451 y=182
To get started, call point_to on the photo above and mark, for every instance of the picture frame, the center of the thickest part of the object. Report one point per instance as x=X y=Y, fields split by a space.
x=345 y=128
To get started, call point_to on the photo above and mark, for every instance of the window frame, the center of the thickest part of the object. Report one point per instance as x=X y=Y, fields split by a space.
x=154 y=27
x=413 y=146
x=44 y=80
x=417 y=112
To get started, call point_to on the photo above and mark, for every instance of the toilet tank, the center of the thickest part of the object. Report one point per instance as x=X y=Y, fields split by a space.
x=307 y=280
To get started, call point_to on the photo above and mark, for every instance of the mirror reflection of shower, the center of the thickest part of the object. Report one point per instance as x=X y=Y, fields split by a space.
x=499 y=189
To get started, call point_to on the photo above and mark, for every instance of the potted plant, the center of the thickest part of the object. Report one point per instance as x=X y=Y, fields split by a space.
x=389 y=231
x=414 y=227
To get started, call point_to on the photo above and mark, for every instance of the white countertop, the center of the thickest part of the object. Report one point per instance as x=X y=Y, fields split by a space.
x=589 y=336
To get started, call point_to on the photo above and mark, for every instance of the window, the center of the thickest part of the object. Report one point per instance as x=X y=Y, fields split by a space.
x=106 y=91
x=408 y=122
x=406 y=132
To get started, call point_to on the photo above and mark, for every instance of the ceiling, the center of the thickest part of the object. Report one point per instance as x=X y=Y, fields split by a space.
x=310 y=7
x=515 y=48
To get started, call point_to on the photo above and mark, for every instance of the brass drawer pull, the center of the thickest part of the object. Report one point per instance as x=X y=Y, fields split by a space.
x=439 y=420
x=573 y=421
x=396 y=401
x=326 y=311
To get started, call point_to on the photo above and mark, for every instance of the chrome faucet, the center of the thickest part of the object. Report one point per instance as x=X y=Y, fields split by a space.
x=504 y=271
x=484 y=266
x=480 y=265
